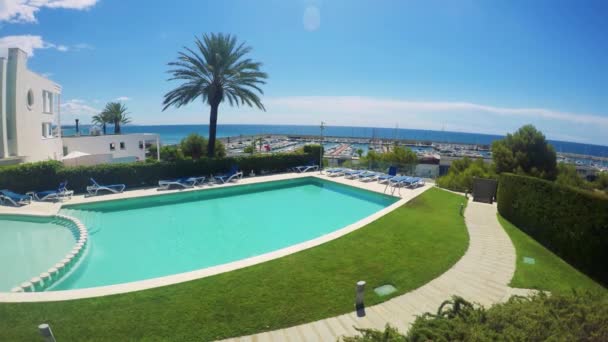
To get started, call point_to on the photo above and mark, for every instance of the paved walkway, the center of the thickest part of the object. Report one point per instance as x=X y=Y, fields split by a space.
x=482 y=275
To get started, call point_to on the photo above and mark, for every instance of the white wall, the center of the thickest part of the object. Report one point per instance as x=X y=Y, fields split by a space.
x=100 y=144
x=24 y=122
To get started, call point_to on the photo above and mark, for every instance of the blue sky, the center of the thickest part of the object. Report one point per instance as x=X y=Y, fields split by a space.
x=472 y=66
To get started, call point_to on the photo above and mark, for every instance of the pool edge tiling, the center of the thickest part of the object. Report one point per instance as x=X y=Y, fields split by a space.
x=213 y=270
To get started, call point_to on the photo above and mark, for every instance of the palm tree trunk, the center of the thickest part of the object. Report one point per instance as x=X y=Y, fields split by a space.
x=104 y=128
x=212 y=130
x=116 y=127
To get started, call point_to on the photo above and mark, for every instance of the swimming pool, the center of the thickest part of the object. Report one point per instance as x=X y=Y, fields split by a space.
x=30 y=245
x=148 y=237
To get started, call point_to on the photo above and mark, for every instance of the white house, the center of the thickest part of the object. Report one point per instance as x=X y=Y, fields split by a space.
x=29 y=112
x=120 y=147
x=30 y=122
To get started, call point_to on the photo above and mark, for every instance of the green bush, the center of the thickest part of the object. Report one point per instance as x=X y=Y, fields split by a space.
x=47 y=175
x=570 y=222
x=574 y=317
x=461 y=174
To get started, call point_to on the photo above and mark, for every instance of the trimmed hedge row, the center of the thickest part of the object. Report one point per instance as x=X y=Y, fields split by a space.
x=570 y=222
x=47 y=175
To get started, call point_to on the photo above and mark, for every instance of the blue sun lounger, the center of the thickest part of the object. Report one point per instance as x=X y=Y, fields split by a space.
x=336 y=172
x=7 y=196
x=305 y=168
x=233 y=174
x=96 y=187
x=352 y=174
x=61 y=193
x=368 y=176
x=185 y=182
x=392 y=172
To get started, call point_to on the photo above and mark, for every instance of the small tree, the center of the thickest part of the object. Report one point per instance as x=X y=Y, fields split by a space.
x=526 y=151
x=193 y=146
x=567 y=176
x=171 y=154
x=249 y=149
x=359 y=152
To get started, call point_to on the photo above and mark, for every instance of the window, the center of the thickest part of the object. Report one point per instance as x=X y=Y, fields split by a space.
x=48 y=100
x=112 y=146
x=30 y=99
x=141 y=145
x=47 y=130
x=122 y=145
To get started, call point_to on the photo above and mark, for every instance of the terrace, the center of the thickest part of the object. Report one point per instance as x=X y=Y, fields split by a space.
x=419 y=244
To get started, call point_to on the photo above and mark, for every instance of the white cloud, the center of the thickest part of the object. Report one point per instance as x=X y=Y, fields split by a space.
x=311 y=18
x=369 y=105
x=78 y=107
x=30 y=43
x=24 y=11
x=27 y=43
x=82 y=46
x=122 y=98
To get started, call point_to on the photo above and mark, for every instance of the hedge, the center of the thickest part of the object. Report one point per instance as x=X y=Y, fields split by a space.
x=570 y=222
x=47 y=175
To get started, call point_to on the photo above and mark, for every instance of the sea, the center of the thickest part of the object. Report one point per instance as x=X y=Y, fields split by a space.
x=173 y=134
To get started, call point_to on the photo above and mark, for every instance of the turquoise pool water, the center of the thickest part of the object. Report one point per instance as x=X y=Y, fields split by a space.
x=137 y=239
x=29 y=246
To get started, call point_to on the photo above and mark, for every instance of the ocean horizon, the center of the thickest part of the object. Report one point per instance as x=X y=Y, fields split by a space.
x=173 y=134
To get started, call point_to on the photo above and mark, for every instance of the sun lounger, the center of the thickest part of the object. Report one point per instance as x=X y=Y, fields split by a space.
x=392 y=172
x=186 y=182
x=55 y=195
x=96 y=187
x=336 y=172
x=414 y=182
x=306 y=168
x=352 y=174
x=368 y=176
x=14 y=198
x=233 y=174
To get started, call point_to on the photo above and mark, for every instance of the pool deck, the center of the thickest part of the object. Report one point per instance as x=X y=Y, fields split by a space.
x=482 y=275
x=49 y=209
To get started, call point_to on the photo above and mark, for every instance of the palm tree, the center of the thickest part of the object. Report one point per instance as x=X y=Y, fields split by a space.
x=218 y=71
x=101 y=119
x=117 y=114
x=359 y=152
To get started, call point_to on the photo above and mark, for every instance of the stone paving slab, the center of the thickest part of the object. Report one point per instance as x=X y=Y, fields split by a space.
x=482 y=275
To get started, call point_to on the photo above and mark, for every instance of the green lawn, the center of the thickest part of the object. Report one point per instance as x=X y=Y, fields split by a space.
x=549 y=272
x=406 y=248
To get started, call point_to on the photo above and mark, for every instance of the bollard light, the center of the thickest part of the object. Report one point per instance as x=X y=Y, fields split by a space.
x=461 y=209
x=45 y=331
x=360 y=294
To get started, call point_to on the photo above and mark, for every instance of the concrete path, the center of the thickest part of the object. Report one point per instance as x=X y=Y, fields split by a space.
x=482 y=275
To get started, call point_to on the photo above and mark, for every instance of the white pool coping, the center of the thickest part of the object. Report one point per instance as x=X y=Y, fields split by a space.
x=49 y=209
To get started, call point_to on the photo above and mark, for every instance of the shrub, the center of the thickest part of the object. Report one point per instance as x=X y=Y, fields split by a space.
x=525 y=152
x=461 y=174
x=47 y=175
x=573 y=317
x=570 y=222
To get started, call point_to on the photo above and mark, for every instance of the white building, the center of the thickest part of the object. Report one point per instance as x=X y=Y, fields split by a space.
x=119 y=147
x=30 y=122
x=29 y=112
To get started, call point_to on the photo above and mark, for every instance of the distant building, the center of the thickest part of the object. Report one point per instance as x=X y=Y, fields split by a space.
x=30 y=123
x=29 y=112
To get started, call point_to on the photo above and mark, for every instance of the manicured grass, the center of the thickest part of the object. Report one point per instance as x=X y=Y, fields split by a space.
x=549 y=272
x=406 y=248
